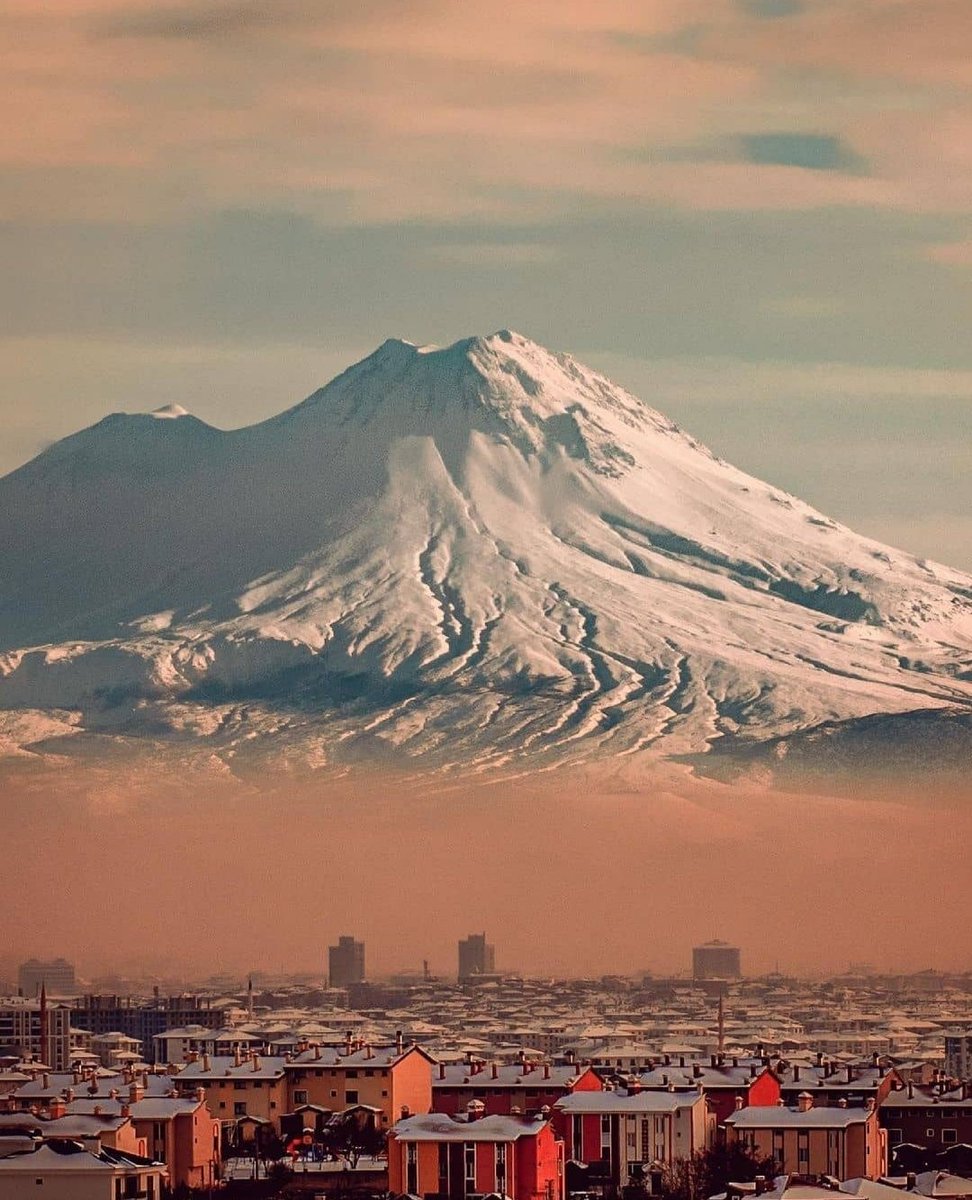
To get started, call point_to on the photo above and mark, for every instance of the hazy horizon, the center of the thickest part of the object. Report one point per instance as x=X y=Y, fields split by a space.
x=216 y=876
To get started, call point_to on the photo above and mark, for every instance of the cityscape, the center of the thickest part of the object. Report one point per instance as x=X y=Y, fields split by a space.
x=485 y=1083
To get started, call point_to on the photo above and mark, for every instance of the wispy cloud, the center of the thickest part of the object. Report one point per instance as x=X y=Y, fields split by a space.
x=811 y=151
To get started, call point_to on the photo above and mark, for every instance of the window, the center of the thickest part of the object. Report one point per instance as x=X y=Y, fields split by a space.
x=930 y=1134
x=443 y=1166
x=895 y=1136
x=950 y=1136
x=351 y=1075
x=469 y=1156
x=369 y=1074
x=239 y=1108
x=351 y=1097
x=385 y=1095
x=300 y=1097
x=333 y=1094
x=500 y=1180
x=803 y=1149
x=411 y=1169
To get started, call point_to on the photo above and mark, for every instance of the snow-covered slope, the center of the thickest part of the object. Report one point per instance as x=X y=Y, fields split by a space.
x=475 y=555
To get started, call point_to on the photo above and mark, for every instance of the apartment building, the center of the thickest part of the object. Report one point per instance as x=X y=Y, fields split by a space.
x=834 y=1140
x=460 y=1156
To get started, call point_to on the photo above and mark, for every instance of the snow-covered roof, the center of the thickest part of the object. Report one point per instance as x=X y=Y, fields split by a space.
x=440 y=1127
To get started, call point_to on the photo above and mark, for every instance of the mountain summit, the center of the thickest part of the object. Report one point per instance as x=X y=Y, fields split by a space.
x=470 y=557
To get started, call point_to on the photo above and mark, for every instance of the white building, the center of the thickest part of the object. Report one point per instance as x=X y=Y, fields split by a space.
x=73 y=1172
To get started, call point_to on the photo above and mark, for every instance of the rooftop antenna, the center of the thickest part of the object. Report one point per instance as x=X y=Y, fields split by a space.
x=249 y=997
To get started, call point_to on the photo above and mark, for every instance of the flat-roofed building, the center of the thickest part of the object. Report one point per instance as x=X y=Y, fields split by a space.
x=716 y=960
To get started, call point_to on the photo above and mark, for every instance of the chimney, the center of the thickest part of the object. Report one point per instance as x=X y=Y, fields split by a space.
x=207 y=1063
x=760 y=1184
x=911 y=1179
x=804 y=1102
x=494 y=1070
x=406 y=1111
x=712 y=1061
x=796 y=1074
x=317 y=1052
x=738 y=1103
x=126 y=1110
x=681 y=1060
x=57 y=1108
x=69 y=1095
x=474 y=1110
x=911 y=1090
x=850 y=1073
x=135 y=1093
x=399 y=1041
x=546 y=1070
x=200 y=1094
x=696 y=1071
x=256 y=1062
x=45 y=1081
x=237 y=1057
x=442 y=1070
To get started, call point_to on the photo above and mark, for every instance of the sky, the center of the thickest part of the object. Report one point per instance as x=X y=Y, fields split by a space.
x=756 y=214
x=568 y=874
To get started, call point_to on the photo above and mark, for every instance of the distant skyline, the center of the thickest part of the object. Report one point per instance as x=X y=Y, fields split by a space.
x=573 y=873
x=756 y=214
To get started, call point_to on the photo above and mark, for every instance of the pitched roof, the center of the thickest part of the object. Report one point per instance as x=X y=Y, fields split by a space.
x=440 y=1127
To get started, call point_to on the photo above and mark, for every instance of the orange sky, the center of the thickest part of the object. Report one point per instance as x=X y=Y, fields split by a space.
x=566 y=876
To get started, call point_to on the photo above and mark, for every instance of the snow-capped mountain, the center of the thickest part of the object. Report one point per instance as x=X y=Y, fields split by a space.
x=473 y=556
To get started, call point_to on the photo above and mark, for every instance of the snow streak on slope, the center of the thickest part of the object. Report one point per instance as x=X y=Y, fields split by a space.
x=471 y=556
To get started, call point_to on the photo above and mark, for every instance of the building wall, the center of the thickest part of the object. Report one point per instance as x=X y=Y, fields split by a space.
x=858 y=1150
x=264 y=1098
x=539 y=1167
x=411 y=1087
x=936 y=1126
x=189 y=1146
x=74 y=1185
